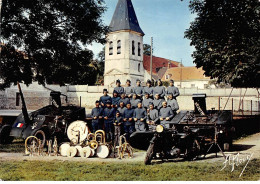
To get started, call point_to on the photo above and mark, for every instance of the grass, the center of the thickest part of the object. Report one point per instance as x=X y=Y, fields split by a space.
x=16 y=147
x=134 y=171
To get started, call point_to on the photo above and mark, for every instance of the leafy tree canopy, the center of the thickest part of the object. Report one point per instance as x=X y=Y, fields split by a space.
x=45 y=40
x=226 y=35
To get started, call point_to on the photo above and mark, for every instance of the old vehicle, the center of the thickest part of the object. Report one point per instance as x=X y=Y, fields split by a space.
x=191 y=133
x=45 y=123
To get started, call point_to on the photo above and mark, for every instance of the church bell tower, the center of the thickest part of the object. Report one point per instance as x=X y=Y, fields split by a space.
x=124 y=47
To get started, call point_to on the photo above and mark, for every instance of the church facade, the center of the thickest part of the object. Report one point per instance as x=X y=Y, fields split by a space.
x=124 y=47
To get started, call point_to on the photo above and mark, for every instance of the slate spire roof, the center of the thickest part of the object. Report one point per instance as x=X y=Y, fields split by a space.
x=125 y=18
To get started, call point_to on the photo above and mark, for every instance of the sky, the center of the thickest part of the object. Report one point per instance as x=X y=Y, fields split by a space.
x=165 y=21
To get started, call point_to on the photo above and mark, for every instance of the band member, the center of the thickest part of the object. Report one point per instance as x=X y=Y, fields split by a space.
x=146 y=101
x=118 y=89
x=115 y=100
x=118 y=122
x=172 y=103
x=103 y=99
x=129 y=90
x=140 y=118
x=157 y=102
x=121 y=109
x=134 y=101
x=124 y=99
x=139 y=90
x=149 y=89
x=96 y=115
x=152 y=117
x=128 y=120
x=174 y=91
x=109 y=115
x=165 y=115
x=159 y=89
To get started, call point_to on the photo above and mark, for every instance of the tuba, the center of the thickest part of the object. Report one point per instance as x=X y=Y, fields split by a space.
x=93 y=144
x=103 y=150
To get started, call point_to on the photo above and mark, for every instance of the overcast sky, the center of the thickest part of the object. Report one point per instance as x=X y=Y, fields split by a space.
x=165 y=21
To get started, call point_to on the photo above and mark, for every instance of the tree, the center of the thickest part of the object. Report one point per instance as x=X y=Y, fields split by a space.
x=45 y=41
x=147 y=49
x=101 y=66
x=226 y=35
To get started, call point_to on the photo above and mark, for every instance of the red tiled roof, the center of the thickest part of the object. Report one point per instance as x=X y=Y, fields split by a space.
x=158 y=63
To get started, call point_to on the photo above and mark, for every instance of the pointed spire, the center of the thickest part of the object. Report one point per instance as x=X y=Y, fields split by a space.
x=125 y=18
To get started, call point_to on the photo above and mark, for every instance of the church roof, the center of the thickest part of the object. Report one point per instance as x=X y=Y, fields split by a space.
x=125 y=18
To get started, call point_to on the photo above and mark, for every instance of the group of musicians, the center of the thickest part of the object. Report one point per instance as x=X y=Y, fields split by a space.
x=135 y=108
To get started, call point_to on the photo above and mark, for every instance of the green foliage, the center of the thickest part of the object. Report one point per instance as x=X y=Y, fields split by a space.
x=226 y=35
x=123 y=171
x=51 y=37
x=147 y=49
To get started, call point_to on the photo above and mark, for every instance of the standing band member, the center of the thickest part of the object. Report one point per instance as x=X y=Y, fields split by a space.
x=152 y=117
x=124 y=99
x=128 y=121
x=175 y=93
x=157 y=102
x=139 y=118
x=149 y=89
x=118 y=89
x=118 y=121
x=115 y=100
x=129 y=90
x=134 y=101
x=165 y=115
x=96 y=115
x=103 y=99
x=108 y=115
x=121 y=109
x=139 y=90
x=146 y=101
x=159 y=89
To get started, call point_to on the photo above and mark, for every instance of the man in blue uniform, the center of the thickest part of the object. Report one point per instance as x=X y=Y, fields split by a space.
x=129 y=90
x=121 y=109
x=124 y=99
x=165 y=115
x=152 y=117
x=96 y=115
x=139 y=90
x=149 y=89
x=175 y=93
x=118 y=121
x=157 y=102
x=146 y=101
x=128 y=120
x=109 y=115
x=118 y=89
x=115 y=100
x=172 y=103
x=134 y=101
x=139 y=118
x=159 y=89
x=103 y=99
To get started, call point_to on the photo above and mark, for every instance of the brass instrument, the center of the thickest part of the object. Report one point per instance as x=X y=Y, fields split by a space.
x=93 y=144
x=124 y=147
x=29 y=149
x=101 y=135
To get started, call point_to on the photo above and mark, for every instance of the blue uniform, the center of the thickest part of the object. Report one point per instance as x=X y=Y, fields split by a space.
x=149 y=90
x=96 y=123
x=103 y=99
x=121 y=110
x=174 y=91
x=134 y=102
x=139 y=91
x=128 y=125
x=153 y=115
x=110 y=113
x=129 y=90
x=164 y=113
x=146 y=102
x=159 y=90
x=125 y=100
x=115 y=100
x=157 y=103
x=140 y=113
x=119 y=90
x=173 y=104
x=118 y=128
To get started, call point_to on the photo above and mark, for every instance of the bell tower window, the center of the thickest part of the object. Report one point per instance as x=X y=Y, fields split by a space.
x=111 y=48
x=139 y=49
x=139 y=67
x=119 y=47
x=133 y=47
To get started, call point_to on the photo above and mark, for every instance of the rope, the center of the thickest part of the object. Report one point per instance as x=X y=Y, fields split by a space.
x=228 y=99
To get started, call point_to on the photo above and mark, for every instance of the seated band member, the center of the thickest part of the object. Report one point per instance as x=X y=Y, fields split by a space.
x=124 y=99
x=157 y=102
x=134 y=101
x=149 y=89
x=172 y=103
x=165 y=115
x=115 y=100
x=146 y=101
x=96 y=115
x=109 y=115
x=152 y=117
x=139 y=90
x=129 y=90
x=129 y=127
x=103 y=99
x=139 y=118
x=121 y=108
x=118 y=89
x=159 y=89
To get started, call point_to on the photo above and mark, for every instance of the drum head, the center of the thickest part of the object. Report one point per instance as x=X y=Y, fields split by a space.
x=63 y=149
x=92 y=152
x=79 y=148
x=102 y=151
x=78 y=130
x=85 y=152
x=71 y=152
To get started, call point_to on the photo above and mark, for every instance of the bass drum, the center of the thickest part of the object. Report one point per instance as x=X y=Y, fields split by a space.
x=85 y=152
x=72 y=151
x=103 y=151
x=79 y=149
x=63 y=149
x=78 y=130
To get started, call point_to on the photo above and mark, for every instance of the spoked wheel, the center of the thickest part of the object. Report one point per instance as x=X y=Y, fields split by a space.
x=149 y=155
